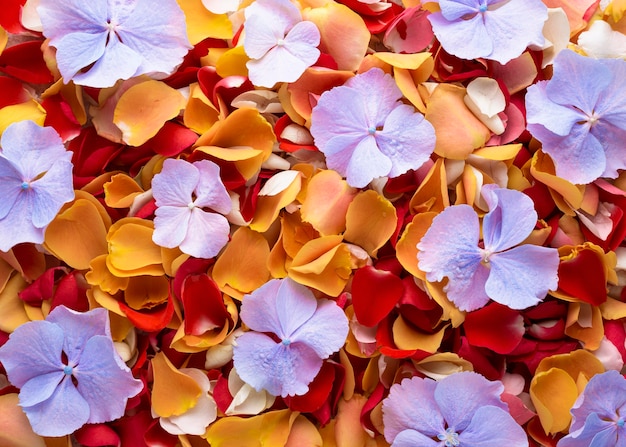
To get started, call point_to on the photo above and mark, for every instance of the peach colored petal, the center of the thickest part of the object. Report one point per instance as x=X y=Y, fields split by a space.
x=296 y=233
x=200 y=113
x=324 y=264
x=15 y=430
x=202 y=23
x=120 y=191
x=406 y=248
x=370 y=221
x=143 y=109
x=303 y=433
x=326 y=203
x=442 y=364
x=268 y=429
x=11 y=306
x=243 y=263
x=29 y=110
x=553 y=393
x=407 y=337
x=350 y=381
x=278 y=192
x=108 y=98
x=518 y=73
x=173 y=392
x=575 y=10
x=131 y=250
x=78 y=233
x=584 y=323
x=348 y=429
x=338 y=23
x=457 y=130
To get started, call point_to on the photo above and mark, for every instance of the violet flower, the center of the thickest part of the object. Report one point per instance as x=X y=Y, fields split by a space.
x=68 y=371
x=366 y=132
x=35 y=182
x=579 y=116
x=305 y=331
x=100 y=41
x=463 y=409
x=518 y=276
x=188 y=199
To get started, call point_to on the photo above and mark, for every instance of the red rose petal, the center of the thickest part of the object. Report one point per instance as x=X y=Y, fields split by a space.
x=583 y=277
x=374 y=294
x=25 y=62
x=97 y=435
x=203 y=305
x=496 y=327
x=319 y=391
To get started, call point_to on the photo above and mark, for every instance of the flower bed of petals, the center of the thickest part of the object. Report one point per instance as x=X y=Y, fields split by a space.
x=350 y=223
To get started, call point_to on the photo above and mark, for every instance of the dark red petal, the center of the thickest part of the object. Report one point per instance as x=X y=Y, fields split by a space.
x=495 y=327
x=97 y=435
x=203 y=305
x=25 y=62
x=582 y=277
x=152 y=320
x=374 y=294
x=319 y=391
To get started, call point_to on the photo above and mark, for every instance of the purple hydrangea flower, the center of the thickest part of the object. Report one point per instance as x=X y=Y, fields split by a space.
x=306 y=331
x=517 y=277
x=35 y=182
x=68 y=371
x=598 y=415
x=365 y=131
x=463 y=409
x=579 y=116
x=492 y=29
x=279 y=43
x=101 y=41
x=182 y=192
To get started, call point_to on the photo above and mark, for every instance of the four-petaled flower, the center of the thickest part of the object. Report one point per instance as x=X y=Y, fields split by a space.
x=463 y=409
x=517 y=277
x=278 y=42
x=365 y=131
x=35 y=182
x=492 y=29
x=182 y=190
x=599 y=413
x=305 y=331
x=68 y=371
x=100 y=41
x=579 y=116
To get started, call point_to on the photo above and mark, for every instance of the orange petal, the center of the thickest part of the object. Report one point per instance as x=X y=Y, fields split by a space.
x=145 y=292
x=278 y=192
x=268 y=429
x=406 y=248
x=243 y=263
x=370 y=221
x=303 y=433
x=338 y=23
x=553 y=393
x=78 y=234
x=457 y=130
x=15 y=430
x=131 y=250
x=11 y=306
x=584 y=323
x=409 y=338
x=327 y=199
x=432 y=193
x=296 y=233
x=575 y=363
x=324 y=264
x=143 y=109
x=173 y=393
x=348 y=429
x=450 y=311
x=200 y=113
x=120 y=191
x=99 y=275
x=4 y=39
x=566 y=195
x=202 y=23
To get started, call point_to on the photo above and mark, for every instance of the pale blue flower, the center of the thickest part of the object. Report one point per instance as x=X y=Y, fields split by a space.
x=307 y=331
x=366 y=132
x=35 y=182
x=492 y=29
x=518 y=276
x=190 y=200
x=68 y=371
x=599 y=413
x=463 y=409
x=579 y=116
x=100 y=41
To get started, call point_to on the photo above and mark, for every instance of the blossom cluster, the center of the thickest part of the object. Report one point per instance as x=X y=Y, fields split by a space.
x=350 y=223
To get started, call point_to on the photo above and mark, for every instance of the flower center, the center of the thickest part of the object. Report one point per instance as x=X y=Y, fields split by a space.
x=191 y=205
x=280 y=42
x=286 y=342
x=593 y=119
x=68 y=370
x=486 y=254
x=621 y=422
x=482 y=8
x=25 y=185
x=450 y=438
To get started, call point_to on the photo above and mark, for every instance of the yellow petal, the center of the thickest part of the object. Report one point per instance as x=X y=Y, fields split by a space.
x=30 y=110
x=173 y=393
x=202 y=23
x=450 y=311
x=231 y=62
x=266 y=430
x=143 y=109
x=338 y=23
x=278 y=192
x=15 y=430
x=131 y=250
x=327 y=199
x=573 y=363
x=613 y=309
x=99 y=275
x=457 y=130
x=370 y=221
x=432 y=193
x=553 y=393
x=11 y=306
x=407 y=337
x=324 y=264
x=4 y=39
x=243 y=263
x=78 y=234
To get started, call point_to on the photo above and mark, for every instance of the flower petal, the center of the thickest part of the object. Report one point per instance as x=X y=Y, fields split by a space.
x=207 y=234
x=493 y=427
